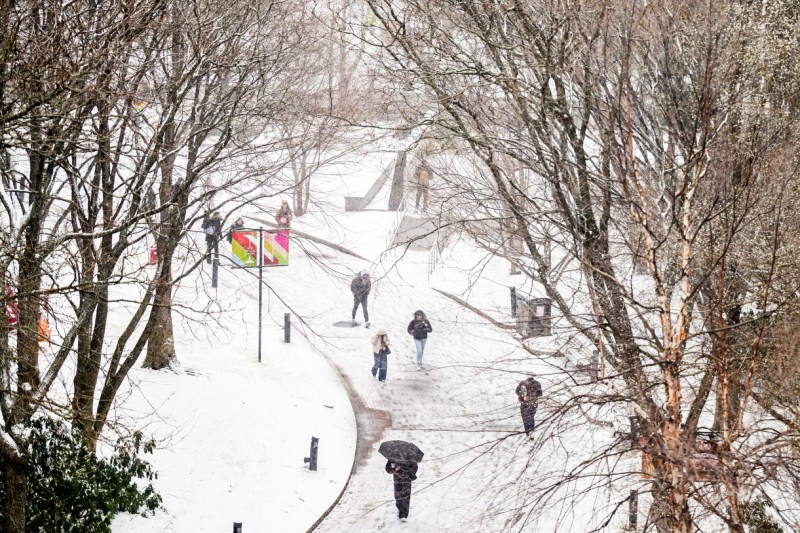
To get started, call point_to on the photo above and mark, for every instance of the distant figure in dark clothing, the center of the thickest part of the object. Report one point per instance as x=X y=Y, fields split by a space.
x=404 y=474
x=360 y=287
x=283 y=216
x=236 y=226
x=529 y=391
x=212 y=227
x=419 y=329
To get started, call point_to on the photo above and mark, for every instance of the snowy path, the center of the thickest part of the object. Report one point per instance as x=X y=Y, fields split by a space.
x=456 y=409
x=461 y=410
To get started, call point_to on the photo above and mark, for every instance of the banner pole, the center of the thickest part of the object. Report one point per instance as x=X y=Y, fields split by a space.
x=260 y=282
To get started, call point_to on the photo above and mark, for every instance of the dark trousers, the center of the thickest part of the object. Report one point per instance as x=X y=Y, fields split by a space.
x=213 y=247
x=380 y=366
x=528 y=411
x=402 y=497
x=360 y=300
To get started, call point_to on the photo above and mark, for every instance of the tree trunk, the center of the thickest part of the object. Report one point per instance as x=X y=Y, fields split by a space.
x=670 y=509
x=16 y=496
x=161 y=345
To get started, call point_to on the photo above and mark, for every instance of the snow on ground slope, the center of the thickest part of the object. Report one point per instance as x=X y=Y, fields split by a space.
x=232 y=432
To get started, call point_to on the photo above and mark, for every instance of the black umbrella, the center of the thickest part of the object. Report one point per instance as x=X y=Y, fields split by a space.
x=400 y=451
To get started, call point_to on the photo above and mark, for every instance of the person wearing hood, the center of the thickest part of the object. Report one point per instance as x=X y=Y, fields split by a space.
x=360 y=287
x=380 y=349
x=283 y=216
x=236 y=226
x=419 y=329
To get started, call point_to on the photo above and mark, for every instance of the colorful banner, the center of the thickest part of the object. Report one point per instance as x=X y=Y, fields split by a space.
x=276 y=247
x=244 y=248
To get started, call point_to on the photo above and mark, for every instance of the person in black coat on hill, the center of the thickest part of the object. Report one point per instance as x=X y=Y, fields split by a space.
x=404 y=474
x=419 y=329
x=212 y=227
x=360 y=287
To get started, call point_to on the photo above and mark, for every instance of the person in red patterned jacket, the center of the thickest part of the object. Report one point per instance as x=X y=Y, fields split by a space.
x=529 y=391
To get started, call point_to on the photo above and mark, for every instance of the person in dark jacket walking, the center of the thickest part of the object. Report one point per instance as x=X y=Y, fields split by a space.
x=404 y=474
x=380 y=351
x=360 y=287
x=212 y=227
x=419 y=329
x=529 y=391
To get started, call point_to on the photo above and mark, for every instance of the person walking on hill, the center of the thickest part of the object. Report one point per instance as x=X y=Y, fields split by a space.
x=422 y=180
x=529 y=391
x=404 y=474
x=360 y=287
x=419 y=329
x=283 y=216
x=380 y=351
x=212 y=227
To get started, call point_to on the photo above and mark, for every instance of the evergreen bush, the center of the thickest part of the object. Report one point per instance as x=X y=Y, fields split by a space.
x=72 y=490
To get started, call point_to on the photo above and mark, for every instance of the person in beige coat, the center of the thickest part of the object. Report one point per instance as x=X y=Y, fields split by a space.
x=380 y=349
x=422 y=180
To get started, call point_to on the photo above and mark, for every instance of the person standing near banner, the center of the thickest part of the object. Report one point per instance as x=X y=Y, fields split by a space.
x=236 y=226
x=212 y=227
x=283 y=216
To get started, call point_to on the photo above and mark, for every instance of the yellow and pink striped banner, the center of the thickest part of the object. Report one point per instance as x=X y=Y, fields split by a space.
x=276 y=247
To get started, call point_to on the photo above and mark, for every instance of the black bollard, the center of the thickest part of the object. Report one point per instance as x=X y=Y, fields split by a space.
x=633 y=510
x=312 y=461
x=237 y=527
x=287 y=327
x=513 y=302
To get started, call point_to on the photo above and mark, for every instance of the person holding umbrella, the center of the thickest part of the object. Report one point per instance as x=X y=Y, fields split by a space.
x=402 y=463
x=404 y=474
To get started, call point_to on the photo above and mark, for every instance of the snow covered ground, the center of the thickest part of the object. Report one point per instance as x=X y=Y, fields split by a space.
x=232 y=433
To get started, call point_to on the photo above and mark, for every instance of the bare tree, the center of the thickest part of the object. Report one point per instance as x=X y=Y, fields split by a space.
x=649 y=138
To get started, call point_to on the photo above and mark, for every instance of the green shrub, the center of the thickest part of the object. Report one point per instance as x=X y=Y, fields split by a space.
x=755 y=516
x=72 y=490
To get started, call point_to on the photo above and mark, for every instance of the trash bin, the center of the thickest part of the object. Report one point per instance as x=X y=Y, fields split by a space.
x=533 y=317
x=540 y=321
